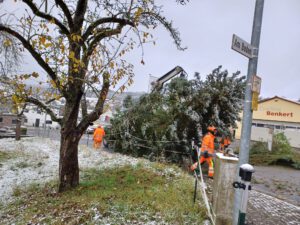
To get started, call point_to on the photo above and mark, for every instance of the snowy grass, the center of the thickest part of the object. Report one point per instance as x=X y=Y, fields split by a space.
x=128 y=195
x=114 y=189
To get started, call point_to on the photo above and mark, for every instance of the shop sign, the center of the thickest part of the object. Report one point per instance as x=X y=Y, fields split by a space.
x=281 y=114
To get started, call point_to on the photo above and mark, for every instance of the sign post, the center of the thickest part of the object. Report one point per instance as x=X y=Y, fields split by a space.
x=248 y=50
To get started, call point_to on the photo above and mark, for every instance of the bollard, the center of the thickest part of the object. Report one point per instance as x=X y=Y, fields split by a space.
x=245 y=173
x=223 y=193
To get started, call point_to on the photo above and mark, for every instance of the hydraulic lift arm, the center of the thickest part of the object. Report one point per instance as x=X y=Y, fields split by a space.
x=157 y=85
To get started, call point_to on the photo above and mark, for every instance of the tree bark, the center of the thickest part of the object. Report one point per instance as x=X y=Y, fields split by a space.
x=70 y=137
x=68 y=161
x=18 y=128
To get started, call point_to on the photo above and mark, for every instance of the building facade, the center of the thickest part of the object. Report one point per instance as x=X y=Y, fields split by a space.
x=275 y=115
x=9 y=120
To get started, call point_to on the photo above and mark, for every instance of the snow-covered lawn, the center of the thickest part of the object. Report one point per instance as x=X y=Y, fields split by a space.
x=35 y=160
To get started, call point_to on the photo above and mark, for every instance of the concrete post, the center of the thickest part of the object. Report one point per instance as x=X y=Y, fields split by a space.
x=223 y=191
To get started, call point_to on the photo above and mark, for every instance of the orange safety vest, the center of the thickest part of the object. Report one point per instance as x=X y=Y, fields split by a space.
x=208 y=143
x=99 y=133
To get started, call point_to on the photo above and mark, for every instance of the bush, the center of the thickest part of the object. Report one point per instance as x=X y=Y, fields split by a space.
x=281 y=154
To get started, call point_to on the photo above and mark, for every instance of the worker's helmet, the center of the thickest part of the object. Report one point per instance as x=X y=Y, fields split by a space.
x=212 y=129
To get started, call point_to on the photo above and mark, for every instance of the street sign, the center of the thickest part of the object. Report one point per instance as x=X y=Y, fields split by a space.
x=256 y=84
x=243 y=47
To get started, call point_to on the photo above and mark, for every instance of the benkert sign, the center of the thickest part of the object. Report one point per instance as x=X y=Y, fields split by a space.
x=243 y=47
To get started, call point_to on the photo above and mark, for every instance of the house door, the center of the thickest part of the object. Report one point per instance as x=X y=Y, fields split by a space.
x=37 y=122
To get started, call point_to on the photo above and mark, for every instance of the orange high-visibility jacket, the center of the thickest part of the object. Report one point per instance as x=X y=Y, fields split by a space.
x=227 y=141
x=208 y=143
x=99 y=133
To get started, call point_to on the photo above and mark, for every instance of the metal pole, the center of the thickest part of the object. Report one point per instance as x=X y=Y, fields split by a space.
x=247 y=112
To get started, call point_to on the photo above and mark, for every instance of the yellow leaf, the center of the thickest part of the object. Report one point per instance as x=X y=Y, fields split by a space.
x=48 y=45
x=111 y=65
x=72 y=55
x=52 y=21
x=42 y=39
x=7 y=43
x=53 y=83
x=35 y=74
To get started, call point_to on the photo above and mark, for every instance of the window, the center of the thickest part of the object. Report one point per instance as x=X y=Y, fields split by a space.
x=278 y=127
x=1 y=119
x=25 y=120
x=290 y=127
x=254 y=124
x=260 y=125
x=48 y=121
x=14 y=121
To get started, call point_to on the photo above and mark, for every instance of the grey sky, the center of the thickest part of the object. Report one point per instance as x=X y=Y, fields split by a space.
x=206 y=28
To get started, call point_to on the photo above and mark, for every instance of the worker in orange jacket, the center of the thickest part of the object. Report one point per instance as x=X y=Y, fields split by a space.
x=99 y=133
x=225 y=142
x=207 y=151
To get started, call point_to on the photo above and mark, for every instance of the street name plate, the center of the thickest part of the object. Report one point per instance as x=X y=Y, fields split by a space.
x=241 y=46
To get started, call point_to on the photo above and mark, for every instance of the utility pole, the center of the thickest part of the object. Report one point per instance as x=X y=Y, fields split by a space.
x=247 y=112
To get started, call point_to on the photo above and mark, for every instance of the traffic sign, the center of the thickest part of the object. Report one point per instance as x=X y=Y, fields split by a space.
x=243 y=47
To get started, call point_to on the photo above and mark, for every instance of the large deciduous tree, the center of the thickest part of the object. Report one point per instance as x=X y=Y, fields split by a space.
x=79 y=45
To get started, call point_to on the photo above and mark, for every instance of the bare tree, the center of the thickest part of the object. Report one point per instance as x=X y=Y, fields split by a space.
x=79 y=44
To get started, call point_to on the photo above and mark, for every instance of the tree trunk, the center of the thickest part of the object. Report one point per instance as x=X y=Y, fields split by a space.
x=18 y=128
x=68 y=161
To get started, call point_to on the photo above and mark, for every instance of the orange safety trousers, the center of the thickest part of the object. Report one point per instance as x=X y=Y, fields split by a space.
x=210 y=163
x=97 y=144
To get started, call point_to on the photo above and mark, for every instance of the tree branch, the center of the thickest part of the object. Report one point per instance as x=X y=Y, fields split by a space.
x=44 y=107
x=79 y=14
x=66 y=11
x=46 y=16
x=98 y=37
x=34 y=54
x=98 y=110
x=22 y=110
x=90 y=29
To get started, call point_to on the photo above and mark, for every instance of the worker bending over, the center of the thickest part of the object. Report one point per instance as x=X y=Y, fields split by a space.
x=225 y=142
x=207 y=151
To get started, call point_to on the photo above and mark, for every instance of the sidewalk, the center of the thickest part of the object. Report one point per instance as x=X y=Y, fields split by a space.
x=267 y=210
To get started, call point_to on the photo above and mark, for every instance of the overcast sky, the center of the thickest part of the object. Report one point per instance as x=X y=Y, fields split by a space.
x=206 y=28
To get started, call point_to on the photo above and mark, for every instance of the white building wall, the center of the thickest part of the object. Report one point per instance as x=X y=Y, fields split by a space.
x=32 y=115
x=264 y=134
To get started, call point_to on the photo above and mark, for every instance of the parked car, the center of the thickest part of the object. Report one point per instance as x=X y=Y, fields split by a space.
x=90 y=129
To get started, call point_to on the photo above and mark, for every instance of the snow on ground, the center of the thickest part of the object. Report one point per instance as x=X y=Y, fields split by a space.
x=36 y=161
